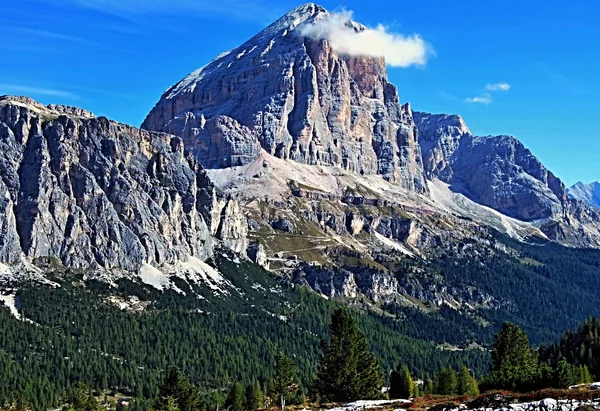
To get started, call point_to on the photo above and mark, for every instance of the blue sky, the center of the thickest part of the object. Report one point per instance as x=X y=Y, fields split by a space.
x=116 y=57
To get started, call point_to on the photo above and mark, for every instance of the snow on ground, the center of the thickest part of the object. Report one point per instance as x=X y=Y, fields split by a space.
x=193 y=271
x=9 y=301
x=363 y=404
x=133 y=303
x=393 y=244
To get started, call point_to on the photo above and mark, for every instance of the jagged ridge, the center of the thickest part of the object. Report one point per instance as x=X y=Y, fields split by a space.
x=96 y=194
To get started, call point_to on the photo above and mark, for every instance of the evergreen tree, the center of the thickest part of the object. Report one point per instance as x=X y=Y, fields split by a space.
x=402 y=384
x=235 y=399
x=566 y=374
x=347 y=369
x=285 y=382
x=584 y=375
x=446 y=382
x=177 y=387
x=80 y=398
x=428 y=387
x=466 y=384
x=168 y=404
x=254 y=397
x=515 y=365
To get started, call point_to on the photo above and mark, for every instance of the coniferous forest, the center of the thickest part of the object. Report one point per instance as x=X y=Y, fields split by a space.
x=74 y=338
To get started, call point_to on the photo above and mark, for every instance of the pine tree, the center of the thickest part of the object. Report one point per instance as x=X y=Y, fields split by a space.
x=285 y=382
x=584 y=375
x=466 y=384
x=515 y=365
x=428 y=387
x=168 y=404
x=235 y=399
x=446 y=382
x=254 y=397
x=347 y=369
x=402 y=384
x=176 y=386
x=80 y=398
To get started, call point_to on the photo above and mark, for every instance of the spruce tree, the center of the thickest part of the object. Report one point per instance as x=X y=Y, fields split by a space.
x=515 y=365
x=347 y=370
x=176 y=386
x=254 y=397
x=402 y=384
x=446 y=382
x=285 y=382
x=428 y=387
x=80 y=398
x=584 y=375
x=466 y=384
x=235 y=399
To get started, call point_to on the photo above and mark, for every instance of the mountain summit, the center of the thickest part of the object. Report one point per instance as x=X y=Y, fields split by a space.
x=288 y=92
x=588 y=193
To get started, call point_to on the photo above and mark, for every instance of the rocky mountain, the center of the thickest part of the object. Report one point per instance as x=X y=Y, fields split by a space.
x=99 y=196
x=297 y=99
x=501 y=173
x=297 y=156
x=330 y=168
x=588 y=193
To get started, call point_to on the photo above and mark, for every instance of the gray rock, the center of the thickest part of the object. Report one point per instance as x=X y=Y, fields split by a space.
x=94 y=193
x=588 y=193
x=297 y=99
x=499 y=172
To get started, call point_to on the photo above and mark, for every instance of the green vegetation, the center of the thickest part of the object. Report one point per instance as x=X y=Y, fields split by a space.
x=77 y=335
x=285 y=382
x=347 y=369
x=218 y=340
x=402 y=384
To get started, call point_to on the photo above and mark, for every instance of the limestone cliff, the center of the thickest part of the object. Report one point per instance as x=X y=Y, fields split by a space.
x=297 y=99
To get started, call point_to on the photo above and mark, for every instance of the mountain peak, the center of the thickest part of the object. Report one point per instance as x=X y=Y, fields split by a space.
x=588 y=193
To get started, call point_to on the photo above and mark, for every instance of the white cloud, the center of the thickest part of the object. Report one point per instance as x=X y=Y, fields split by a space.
x=16 y=89
x=497 y=87
x=398 y=50
x=484 y=98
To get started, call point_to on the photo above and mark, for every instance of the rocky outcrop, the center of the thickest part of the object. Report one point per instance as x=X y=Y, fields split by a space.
x=298 y=99
x=499 y=172
x=96 y=194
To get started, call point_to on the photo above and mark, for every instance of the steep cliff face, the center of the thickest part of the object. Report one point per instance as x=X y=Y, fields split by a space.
x=297 y=99
x=96 y=194
x=501 y=173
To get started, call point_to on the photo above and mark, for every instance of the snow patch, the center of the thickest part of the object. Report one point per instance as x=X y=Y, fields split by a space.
x=363 y=404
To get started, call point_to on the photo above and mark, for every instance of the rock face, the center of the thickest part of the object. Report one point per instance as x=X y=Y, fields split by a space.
x=96 y=194
x=297 y=99
x=588 y=193
x=499 y=172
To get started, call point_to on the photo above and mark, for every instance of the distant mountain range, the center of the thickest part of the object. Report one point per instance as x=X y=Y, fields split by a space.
x=588 y=193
